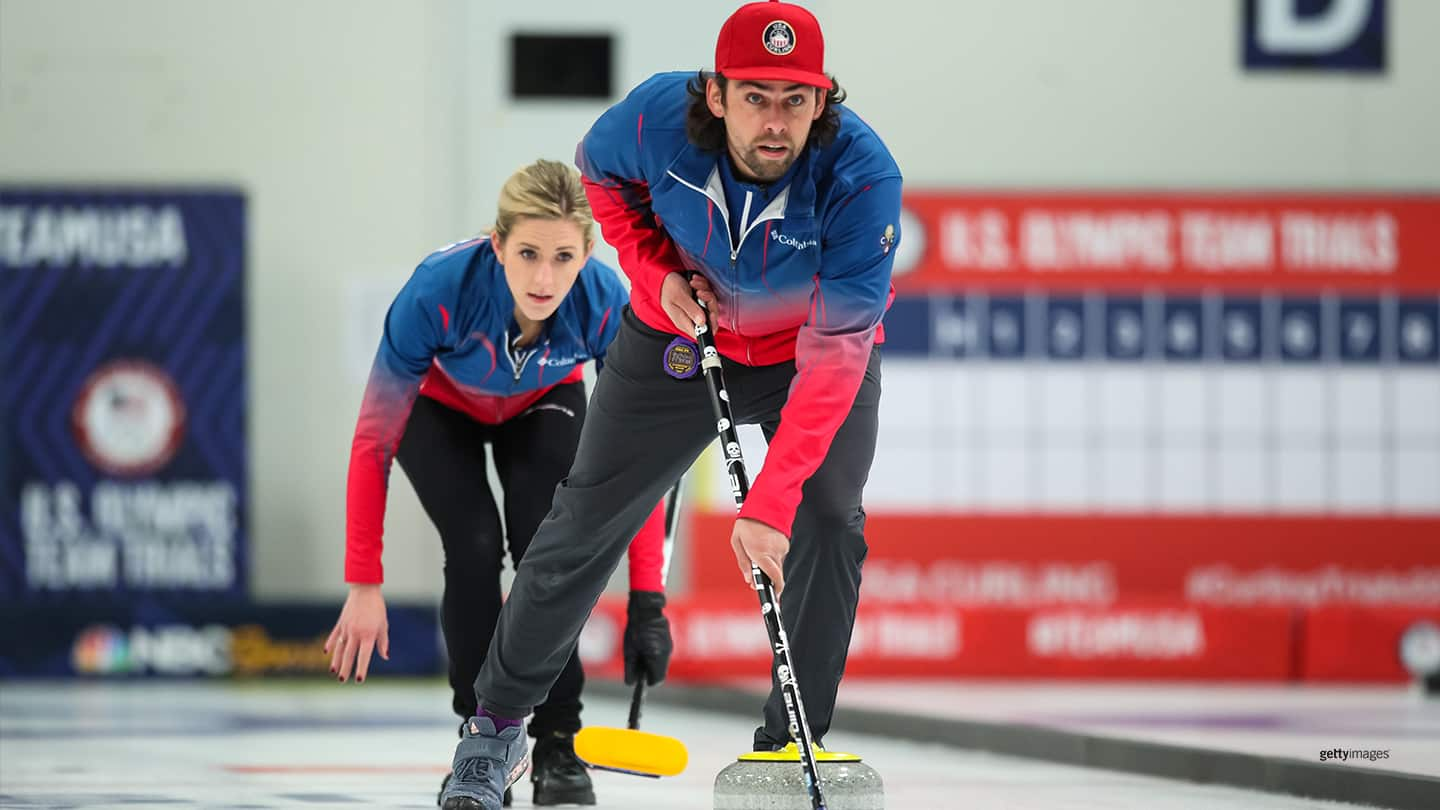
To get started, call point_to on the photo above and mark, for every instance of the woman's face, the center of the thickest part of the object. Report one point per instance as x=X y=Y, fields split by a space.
x=541 y=258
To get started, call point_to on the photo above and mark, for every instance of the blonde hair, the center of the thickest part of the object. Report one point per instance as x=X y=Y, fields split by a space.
x=546 y=189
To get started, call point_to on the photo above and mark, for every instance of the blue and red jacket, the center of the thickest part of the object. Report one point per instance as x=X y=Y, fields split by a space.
x=800 y=268
x=446 y=337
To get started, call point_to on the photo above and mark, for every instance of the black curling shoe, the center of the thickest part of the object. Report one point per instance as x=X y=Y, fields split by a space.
x=558 y=775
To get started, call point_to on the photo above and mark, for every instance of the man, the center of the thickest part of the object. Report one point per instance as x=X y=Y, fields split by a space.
x=786 y=206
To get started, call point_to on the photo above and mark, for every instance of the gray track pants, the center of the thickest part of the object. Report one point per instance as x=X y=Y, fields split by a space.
x=643 y=431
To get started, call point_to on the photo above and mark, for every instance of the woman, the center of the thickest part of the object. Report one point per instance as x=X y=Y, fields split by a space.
x=485 y=345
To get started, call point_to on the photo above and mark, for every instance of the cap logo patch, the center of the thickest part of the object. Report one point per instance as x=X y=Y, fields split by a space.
x=779 y=38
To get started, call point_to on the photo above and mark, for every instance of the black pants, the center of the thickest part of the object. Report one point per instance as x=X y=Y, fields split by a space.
x=443 y=455
x=643 y=431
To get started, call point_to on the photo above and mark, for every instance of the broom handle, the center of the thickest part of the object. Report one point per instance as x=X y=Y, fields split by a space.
x=672 y=517
x=769 y=604
x=635 y=701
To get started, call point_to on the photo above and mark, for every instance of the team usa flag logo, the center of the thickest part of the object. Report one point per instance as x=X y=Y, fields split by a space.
x=129 y=419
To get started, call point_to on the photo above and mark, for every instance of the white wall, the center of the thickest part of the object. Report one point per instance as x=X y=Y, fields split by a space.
x=340 y=127
x=366 y=134
x=1131 y=93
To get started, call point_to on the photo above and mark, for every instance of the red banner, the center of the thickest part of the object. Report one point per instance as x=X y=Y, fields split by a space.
x=1358 y=644
x=723 y=637
x=1098 y=560
x=1230 y=241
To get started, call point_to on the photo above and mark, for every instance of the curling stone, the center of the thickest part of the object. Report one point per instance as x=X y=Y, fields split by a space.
x=767 y=780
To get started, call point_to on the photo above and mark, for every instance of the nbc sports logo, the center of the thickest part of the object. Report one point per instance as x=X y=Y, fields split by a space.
x=175 y=649
x=100 y=650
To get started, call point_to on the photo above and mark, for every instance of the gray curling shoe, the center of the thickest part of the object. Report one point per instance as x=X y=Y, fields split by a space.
x=486 y=764
x=440 y=797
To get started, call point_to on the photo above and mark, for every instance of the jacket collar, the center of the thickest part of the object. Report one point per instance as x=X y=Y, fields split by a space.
x=701 y=171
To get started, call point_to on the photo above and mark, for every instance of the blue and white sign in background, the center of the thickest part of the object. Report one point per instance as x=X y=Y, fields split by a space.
x=122 y=406
x=1157 y=327
x=1315 y=35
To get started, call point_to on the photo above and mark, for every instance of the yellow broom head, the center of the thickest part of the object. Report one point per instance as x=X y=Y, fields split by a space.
x=630 y=751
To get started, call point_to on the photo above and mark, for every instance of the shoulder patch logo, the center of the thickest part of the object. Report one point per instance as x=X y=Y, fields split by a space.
x=887 y=239
x=779 y=38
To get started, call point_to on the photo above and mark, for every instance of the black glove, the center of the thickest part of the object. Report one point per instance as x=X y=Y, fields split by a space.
x=647 y=638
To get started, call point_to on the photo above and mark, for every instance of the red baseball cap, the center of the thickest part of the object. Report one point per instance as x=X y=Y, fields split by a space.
x=772 y=41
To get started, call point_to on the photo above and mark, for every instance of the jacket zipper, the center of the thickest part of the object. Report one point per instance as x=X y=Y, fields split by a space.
x=735 y=247
x=524 y=361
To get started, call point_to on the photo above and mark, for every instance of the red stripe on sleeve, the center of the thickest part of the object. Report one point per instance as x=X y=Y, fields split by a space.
x=647 y=553
x=600 y=333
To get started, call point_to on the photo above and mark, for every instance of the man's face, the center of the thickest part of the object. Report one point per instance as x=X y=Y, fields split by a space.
x=766 y=123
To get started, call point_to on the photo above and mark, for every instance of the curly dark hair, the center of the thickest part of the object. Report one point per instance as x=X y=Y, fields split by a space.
x=708 y=132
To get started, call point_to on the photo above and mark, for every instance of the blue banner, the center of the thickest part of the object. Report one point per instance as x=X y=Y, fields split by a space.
x=157 y=637
x=122 y=407
x=1162 y=328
